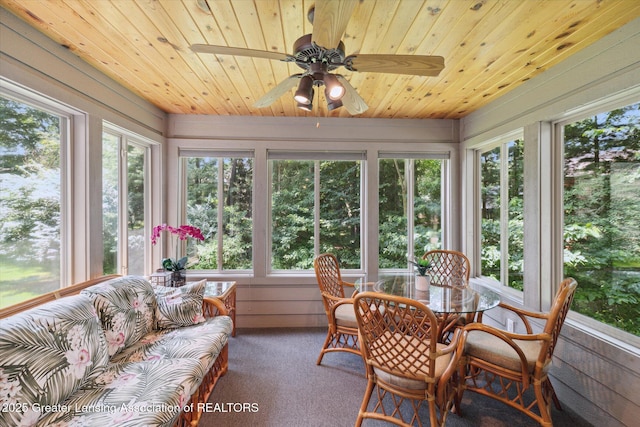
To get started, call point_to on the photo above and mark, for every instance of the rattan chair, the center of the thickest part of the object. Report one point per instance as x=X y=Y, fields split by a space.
x=404 y=361
x=448 y=267
x=343 y=329
x=505 y=365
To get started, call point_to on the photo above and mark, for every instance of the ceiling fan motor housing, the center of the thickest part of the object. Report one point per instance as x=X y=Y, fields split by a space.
x=307 y=53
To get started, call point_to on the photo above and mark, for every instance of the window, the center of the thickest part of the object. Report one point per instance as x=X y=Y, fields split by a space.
x=410 y=208
x=502 y=224
x=32 y=152
x=125 y=201
x=601 y=204
x=219 y=201
x=315 y=208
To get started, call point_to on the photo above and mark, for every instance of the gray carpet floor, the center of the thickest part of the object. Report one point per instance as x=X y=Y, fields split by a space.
x=273 y=381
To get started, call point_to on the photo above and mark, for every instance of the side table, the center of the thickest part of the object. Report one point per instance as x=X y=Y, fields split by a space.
x=225 y=292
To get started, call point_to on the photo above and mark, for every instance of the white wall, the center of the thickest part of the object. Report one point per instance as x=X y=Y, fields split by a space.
x=596 y=371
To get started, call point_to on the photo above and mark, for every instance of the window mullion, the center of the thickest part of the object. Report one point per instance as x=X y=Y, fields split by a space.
x=220 y=235
x=123 y=195
x=504 y=214
x=316 y=206
x=409 y=177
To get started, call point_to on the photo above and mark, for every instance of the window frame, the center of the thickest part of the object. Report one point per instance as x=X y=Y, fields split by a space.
x=125 y=139
x=219 y=154
x=316 y=157
x=477 y=152
x=69 y=119
x=445 y=197
x=601 y=330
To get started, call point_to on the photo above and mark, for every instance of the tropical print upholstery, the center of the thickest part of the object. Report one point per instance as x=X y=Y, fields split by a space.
x=46 y=354
x=178 y=307
x=201 y=342
x=131 y=394
x=62 y=355
x=126 y=307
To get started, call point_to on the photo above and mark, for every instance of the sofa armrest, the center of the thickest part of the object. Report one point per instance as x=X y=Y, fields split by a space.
x=212 y=307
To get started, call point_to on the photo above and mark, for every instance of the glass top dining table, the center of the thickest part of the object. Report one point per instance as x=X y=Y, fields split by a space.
x=455 y=296
x=449 y=301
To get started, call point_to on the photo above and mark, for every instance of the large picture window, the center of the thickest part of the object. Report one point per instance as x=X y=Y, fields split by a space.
x=219 y=201
x=32 y=147
x=601 y=205
x=410 y=209
x=502 y=213
x=315 y=208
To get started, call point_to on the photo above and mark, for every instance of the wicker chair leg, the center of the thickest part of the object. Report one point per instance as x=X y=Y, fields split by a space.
x=365 y=402
x=325 y=346
x=543 y=405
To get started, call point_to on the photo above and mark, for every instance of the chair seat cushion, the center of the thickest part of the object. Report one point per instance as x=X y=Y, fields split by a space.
x=419 y=350
x=346 y=316
x=490 y=348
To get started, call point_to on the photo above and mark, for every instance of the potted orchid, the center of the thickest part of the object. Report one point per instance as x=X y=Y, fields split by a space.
x=175 y=265
x=422 y=268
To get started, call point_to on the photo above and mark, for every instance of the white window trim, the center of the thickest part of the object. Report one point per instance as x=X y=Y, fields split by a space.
x=220 y=155
x=72 y=179
x=126 y=138
x=476 y=254
x=582 y=322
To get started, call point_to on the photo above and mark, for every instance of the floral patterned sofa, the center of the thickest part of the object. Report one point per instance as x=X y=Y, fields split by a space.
x=118 y=353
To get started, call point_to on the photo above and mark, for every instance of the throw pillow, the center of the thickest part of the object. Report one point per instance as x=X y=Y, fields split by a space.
x=177 y=307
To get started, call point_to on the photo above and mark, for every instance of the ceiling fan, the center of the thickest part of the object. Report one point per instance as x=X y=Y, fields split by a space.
x=322 y=51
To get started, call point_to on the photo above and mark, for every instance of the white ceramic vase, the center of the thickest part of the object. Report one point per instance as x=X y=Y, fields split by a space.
x=422 y=282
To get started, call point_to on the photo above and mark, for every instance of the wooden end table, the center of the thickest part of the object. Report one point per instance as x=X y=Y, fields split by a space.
x=225 y=292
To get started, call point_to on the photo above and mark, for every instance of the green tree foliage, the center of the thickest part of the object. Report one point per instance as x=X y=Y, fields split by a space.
x=393 y=189
x=203 y=204
x=602 y=230
x=30 y=181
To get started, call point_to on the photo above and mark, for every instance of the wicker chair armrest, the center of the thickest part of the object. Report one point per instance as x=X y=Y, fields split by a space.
x=508 y=338
x=350 y=284
x=524 y=315
x=212 y=307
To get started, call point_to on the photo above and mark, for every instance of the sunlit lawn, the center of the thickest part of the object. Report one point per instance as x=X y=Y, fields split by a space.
x=20 y=282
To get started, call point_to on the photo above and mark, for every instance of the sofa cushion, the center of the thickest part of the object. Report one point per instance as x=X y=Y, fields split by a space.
x=181 y=306
x=150 y=393
x=47 y=353
x=125 y=306
x=201 y=342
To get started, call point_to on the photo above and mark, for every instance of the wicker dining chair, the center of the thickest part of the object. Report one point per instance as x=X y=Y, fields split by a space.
x=505 y=365
x=342 y=334
x=450 y=268
x=404 y=361
x=447 y=266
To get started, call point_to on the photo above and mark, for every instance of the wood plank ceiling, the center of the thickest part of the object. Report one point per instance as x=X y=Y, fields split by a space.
x=490 y=47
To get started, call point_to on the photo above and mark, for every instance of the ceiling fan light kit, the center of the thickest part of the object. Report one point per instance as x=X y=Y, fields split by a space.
x=323 y=51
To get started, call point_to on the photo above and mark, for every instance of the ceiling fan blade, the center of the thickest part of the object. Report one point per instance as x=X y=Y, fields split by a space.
x=275 y=93
x=351 y=100
x=330 y=20
x=416 y=65
x=239 y=51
